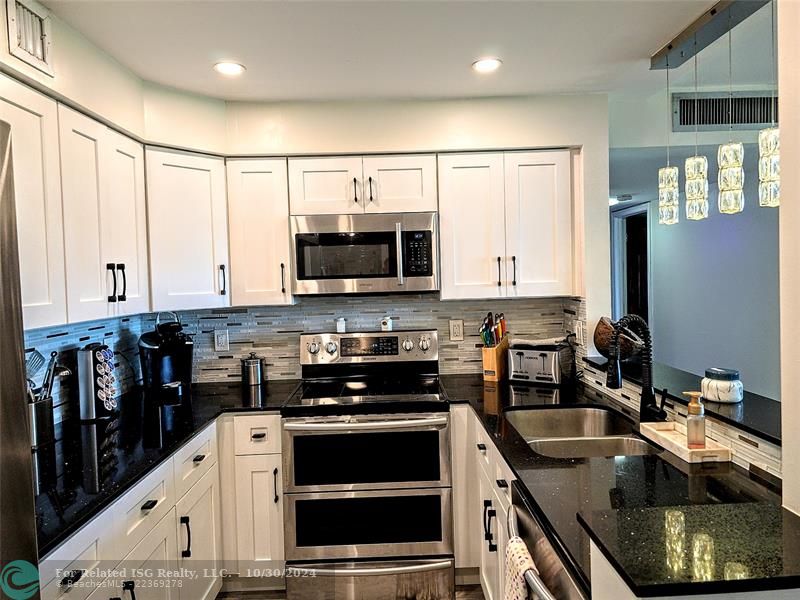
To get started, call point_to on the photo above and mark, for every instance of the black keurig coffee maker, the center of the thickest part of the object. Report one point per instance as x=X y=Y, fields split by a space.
x=166 y=356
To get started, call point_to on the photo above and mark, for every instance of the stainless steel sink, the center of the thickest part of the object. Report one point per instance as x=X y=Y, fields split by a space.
x=538 y=423
x=579 y=432
x=588 y=447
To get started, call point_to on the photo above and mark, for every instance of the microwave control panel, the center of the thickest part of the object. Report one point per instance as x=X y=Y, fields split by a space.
x=417 y=254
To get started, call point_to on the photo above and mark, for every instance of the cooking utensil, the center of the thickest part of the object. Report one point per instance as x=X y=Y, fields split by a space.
x=49 y=374
x=34 y=363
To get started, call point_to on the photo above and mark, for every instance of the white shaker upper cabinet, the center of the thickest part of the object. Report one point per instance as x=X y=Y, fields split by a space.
x=400 y=183
x=37 y=189
x=538 y=223
x=123 y=168
x=472 y=226
x=326 y=186
x=187 y=218
x=258 y=210
x=92 y=285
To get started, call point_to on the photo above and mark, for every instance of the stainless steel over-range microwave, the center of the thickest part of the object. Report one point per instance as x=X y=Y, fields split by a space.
x=348 y=254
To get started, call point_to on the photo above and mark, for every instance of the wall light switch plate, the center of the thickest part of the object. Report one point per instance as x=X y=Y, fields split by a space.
x=456 y=330
x=222 y=342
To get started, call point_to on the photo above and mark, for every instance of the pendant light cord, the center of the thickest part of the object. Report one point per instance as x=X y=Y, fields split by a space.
x=730 y=77
x=773 y=65
x=669 y=111
x=696 y=115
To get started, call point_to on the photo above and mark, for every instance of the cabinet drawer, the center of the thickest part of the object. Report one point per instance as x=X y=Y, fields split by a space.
x=258 y=434
x=483 y=449
x=501 y=480
x=84 y=551
x=194 y=459
x=144 y=505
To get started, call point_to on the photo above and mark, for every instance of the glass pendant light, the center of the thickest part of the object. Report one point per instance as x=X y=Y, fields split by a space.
x=769 y=146
x=730 y=156
x=668 y=193
x=696 y=169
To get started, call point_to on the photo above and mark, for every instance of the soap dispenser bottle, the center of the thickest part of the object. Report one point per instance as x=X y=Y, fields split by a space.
x=695 y=421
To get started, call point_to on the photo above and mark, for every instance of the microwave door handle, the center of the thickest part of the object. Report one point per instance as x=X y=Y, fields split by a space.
x=398 y=232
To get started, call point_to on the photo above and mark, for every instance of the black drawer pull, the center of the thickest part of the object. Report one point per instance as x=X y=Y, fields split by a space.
x=258 y=436
x=71 y=578
x=499 y=283
x=224 y=289
x=487 y=504
x=123 y=297
x=129 y=586
x=149 y=505
x=113 y=268
x=481 y=447
x=492 y=514
x=283 y=278
x=370 y=189
x=355 y=190
x=514 y=262
x=502 y=483
x=198 y=459
x=275 y=483
x=188 y=552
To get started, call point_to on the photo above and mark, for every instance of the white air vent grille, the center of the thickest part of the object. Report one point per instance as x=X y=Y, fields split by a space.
x=714 y=111
x=29 y=33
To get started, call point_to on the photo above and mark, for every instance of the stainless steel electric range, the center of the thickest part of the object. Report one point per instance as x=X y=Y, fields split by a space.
x=367 y=470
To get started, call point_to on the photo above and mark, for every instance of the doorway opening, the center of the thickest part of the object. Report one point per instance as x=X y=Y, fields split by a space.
x=630 y=261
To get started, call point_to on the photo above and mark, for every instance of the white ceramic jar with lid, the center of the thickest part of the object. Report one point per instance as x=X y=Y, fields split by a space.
x=722 y=385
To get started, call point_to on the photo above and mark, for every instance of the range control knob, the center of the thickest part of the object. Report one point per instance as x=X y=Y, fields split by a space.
x=331 y=347
x=313 y=348
x=424 y=344
x=408 y=345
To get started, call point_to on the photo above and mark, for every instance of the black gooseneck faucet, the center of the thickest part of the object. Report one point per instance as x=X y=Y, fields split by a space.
x=649 y=410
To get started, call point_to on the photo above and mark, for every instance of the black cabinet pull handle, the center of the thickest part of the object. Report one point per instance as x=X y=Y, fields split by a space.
x=113 y=268
x=355 y=190
x=481 y=447
x=275 y=483
x=502 y=483
x=258 y=436
x=283 y=278
x=124 y=295
x=71 y=578
x=499 y=283
x=129 y=586
x=514 y=263
x=487 y=504
x=198 y=459
x=149 y=505
x=492 y=514
x=224 y=289
x=370 y=189
x=188 y=552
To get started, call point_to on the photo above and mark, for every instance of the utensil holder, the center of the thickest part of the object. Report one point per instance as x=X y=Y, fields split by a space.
x=495 y=365
x=42 y=424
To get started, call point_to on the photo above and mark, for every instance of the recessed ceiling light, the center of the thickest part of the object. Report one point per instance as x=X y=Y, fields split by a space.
x=231 y=69
x=487 y=65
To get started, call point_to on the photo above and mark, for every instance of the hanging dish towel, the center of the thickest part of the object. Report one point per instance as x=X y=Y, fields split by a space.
x=518 y=561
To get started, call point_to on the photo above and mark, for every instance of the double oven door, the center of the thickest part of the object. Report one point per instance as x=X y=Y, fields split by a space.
x=370 y=486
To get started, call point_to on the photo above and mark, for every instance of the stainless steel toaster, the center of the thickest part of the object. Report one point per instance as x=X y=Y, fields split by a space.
x=536 y=362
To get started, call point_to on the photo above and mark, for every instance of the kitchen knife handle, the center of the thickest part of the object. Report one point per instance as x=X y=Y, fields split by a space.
x=499 y=283
x=124 y=295
x=514 y=263
x=113 y=268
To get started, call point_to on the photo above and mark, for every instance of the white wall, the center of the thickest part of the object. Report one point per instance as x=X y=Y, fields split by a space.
x=789 y=86
x=475 y=124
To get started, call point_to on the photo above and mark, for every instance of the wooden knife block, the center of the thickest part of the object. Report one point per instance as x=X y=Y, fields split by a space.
x=495 y=361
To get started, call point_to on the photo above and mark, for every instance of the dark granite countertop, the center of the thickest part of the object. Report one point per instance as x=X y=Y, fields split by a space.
x=756 y=414
x=610 y=493
x=73 y=488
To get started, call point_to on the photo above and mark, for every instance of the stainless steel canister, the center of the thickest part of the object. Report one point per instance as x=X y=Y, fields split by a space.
x=254 y=369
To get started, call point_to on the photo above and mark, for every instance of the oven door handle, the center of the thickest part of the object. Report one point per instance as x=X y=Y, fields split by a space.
x=368 y=426
x=378 y=571
x=398 y=233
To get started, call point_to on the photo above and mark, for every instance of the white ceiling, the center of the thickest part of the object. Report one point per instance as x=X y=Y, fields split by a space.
x=322 y=50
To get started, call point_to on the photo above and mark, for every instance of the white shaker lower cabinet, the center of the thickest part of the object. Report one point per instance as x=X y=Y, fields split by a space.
x=258 y=210
x=506 y=224
x=259 y=511
x=200 y=537
x=465 y=486
x=397 y=183
x=187 y=218
x=539 y=223
x=326 y=185
x=37 y=189
x=471 y=226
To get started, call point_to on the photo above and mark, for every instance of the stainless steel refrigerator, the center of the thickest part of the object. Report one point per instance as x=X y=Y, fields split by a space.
x=17 y=512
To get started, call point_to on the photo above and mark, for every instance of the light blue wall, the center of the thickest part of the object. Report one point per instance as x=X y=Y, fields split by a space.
x=715 y=282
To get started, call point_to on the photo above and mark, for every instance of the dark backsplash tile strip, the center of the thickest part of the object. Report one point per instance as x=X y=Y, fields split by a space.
x=121 y=334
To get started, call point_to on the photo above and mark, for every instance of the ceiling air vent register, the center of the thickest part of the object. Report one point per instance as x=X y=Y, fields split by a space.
x=750 y=111
x=29 y=33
